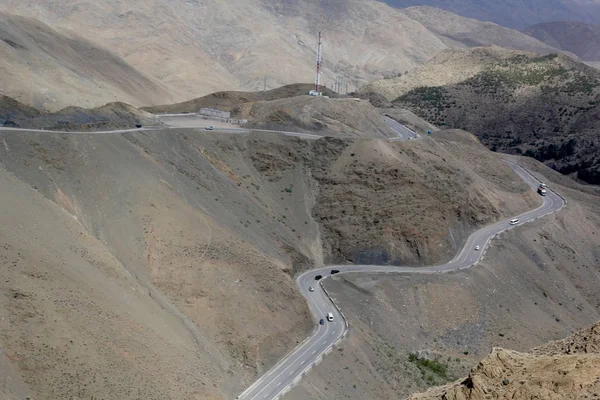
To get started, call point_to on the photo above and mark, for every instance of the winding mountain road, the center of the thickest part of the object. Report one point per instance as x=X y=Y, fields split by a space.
x=403 y=132
x=288 y=372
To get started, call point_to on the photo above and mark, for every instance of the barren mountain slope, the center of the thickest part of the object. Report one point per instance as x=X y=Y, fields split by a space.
x=517 y=14
x=576 y=37
x=408 y=202
x=457 y=31
x=50 y=70
x=75 y=321
x=232 y=100
x=535 y=283
x=12 y=110
x=161 y=277
x=197 y=47
x=109 y=116
x=545 y=107
x=207 y=231
x=201 y=47
x=347 y=117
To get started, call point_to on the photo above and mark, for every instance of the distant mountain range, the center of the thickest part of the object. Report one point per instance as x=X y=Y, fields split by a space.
x=517 y=14
x=190 y=48
x=578 y=38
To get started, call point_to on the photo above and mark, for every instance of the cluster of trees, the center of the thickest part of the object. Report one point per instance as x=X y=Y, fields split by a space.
x=552 y=151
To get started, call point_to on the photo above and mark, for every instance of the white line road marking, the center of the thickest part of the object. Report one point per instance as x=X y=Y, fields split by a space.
x=465 y=259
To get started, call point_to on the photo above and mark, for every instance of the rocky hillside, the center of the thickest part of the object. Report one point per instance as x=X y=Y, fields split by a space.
x=576 y=37
x=567 y=369
x=110 y=116
x=535 y=284
x=50 y=69
x=234 y=100
x=518 y=14
x=181 y=246
x=336 y=117
x=198 y=48
x=448 y=67
x=543 y=106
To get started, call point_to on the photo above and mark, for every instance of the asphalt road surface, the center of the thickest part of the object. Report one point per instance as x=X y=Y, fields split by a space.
x=287 y=372
x=402 y=131
x=192 y=121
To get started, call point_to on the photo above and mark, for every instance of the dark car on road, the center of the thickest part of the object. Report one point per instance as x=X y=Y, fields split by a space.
x=138 y=125
x=317 y=277
x=321 y=321
x=334 y=271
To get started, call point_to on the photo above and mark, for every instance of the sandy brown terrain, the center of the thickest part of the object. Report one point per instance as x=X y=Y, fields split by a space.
x=336 y=117
x=200 y=234
x=50 y=69
x=234 y=101
x=563 y=369
x=535 y=284
x=197 y=48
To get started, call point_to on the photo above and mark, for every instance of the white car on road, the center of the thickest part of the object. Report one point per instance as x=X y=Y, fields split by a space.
x=476 y=247
x=514 y=221
x=311 y=289
x=329 y=317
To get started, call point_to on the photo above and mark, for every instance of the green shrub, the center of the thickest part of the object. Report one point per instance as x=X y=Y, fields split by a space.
x=426 y=366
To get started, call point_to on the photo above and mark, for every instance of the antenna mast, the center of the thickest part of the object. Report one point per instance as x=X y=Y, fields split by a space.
x=319 y=61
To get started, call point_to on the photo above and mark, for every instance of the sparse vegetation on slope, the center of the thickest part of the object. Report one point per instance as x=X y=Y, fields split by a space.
x=109 y=116
x=535 y=284
x=541 y=106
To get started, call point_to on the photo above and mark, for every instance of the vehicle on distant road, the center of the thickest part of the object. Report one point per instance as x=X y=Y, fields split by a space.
x=317 y=277
x=476 y=247
x=329 y=317
x=138 y=125
x=321 y=321
x=210 y=128
x=311 y=289
x=334 y=271
x=542 y=191
x=514 y=221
